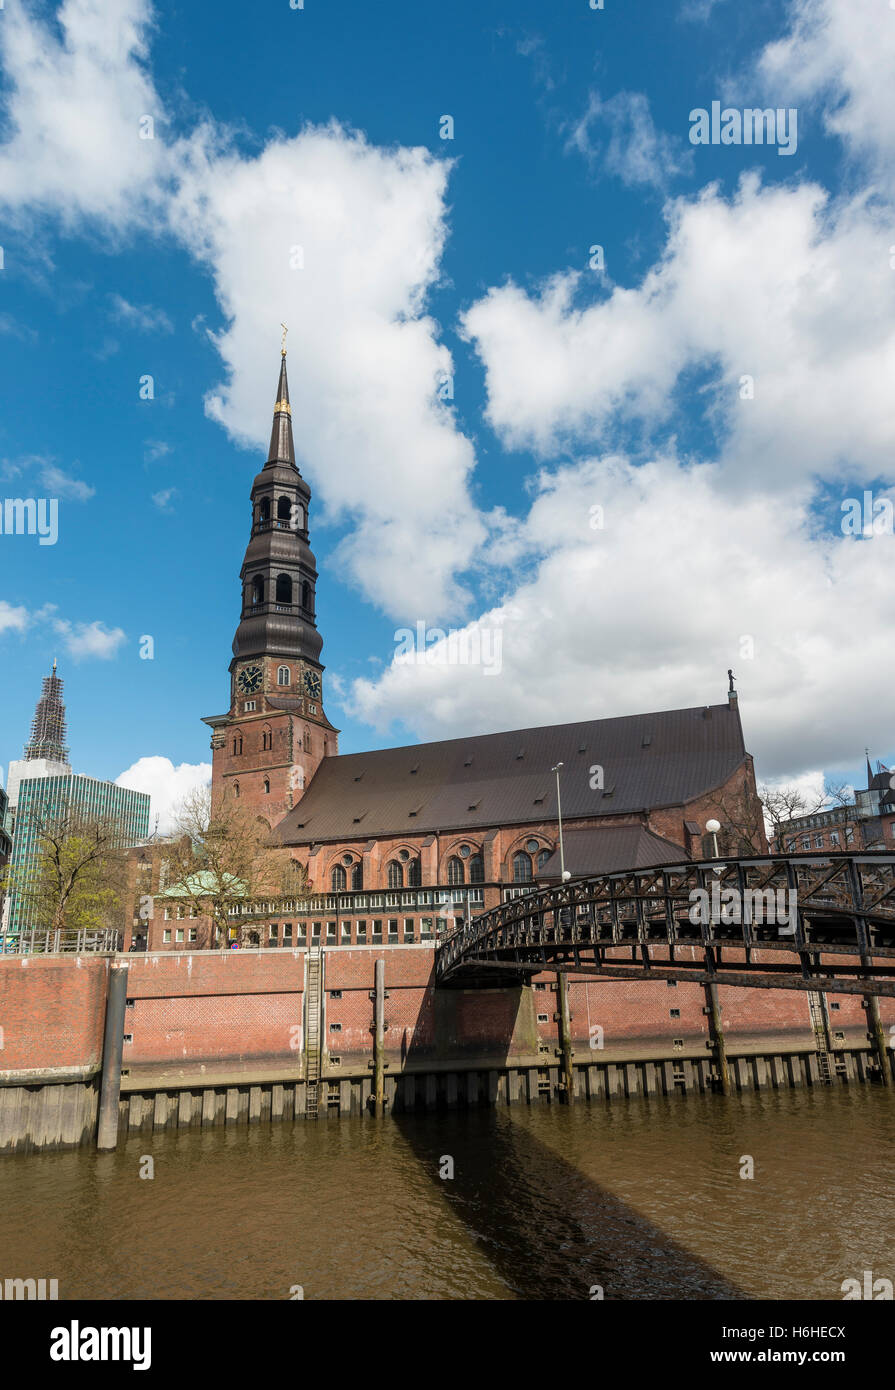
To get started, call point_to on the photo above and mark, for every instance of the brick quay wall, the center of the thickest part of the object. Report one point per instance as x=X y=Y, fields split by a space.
x=218 y=1037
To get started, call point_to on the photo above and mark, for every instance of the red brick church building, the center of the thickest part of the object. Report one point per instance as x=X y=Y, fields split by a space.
x=398 y=841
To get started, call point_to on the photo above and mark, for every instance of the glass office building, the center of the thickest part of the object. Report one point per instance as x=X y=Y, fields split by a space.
x=45 y=797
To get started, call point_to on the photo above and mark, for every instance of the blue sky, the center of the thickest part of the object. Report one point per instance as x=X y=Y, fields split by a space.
x=572 y=387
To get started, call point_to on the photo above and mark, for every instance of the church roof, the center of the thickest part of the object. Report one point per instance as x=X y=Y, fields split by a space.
x=647 y=761
x=609 y=849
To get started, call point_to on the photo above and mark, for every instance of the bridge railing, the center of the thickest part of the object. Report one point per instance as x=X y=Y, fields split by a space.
x=838 y=902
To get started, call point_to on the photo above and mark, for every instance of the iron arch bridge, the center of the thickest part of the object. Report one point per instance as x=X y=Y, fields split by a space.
x=816 y=922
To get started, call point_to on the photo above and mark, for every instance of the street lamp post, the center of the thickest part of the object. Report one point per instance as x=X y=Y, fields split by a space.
x=712 y=1000
x=562 y=858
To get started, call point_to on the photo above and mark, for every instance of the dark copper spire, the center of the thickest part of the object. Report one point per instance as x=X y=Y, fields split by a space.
x=282 y=449
x=48 y=725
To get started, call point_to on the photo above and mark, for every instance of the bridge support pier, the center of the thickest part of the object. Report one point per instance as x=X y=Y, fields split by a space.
x=565 y=1036
x=876 y=1035
x=716 y=1034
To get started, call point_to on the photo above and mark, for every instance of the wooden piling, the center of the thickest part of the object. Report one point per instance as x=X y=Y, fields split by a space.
x=113 y=1046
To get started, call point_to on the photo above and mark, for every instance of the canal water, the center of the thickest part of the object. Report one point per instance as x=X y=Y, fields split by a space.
x=641 y=1200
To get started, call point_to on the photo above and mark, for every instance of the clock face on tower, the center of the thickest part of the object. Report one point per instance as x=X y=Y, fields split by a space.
x=312 y=684
x=249 y=679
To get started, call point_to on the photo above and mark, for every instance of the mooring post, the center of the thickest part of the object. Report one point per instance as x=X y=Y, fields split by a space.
x=716 y=1033
x=113 y=1045
x=876 y=1035
x=565 y=1035
x=379 y=1038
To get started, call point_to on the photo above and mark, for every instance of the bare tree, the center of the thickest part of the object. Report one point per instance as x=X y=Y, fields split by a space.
x=782 y=805
x=224 y=860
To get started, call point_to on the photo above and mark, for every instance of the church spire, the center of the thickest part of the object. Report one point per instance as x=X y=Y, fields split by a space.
x=48 y=725
x=282 y=448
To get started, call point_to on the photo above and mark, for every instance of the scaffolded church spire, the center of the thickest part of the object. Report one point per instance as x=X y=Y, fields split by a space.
x=48 y=733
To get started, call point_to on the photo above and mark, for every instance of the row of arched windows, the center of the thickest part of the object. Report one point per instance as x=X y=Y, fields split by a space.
x=282 y=590
x=409 y=874
x=287 y=510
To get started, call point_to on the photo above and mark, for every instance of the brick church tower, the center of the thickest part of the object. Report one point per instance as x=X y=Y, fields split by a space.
x=266 y=749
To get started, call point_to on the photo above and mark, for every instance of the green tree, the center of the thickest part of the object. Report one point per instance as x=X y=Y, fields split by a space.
x=78 y=878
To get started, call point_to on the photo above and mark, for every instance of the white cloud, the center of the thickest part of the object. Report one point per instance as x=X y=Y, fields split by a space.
x=843 y=57
x=12 y=619
x=61 y=485
x=74 y=106
x=636 y=151
x=772 y=284
x=84 y=640
x=166 y=784
x=155 y=449
x=143 y=317
x=163 y=499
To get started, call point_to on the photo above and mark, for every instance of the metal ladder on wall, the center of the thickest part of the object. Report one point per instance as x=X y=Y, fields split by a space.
x=312 y=1034
x=819 y=1024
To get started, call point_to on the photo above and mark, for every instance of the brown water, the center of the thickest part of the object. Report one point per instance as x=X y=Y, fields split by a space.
x=643 y=1199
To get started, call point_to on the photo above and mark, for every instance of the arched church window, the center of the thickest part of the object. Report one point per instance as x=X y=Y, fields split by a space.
x=357 y=877
x=395 y=874
x=284 y=508
x=283 y=675
x=266 y=739
x=237 y=743
x=258 y=589
x=266 y=785
x=543 y=857
x=306 y=741
x=264 y=509
x=414 y=874
x=455 y=871
x=236 y=789
x=521 y=868
x=338 y=879
x=477 y=869
x=284 y=588
x=306 y=596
